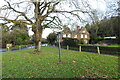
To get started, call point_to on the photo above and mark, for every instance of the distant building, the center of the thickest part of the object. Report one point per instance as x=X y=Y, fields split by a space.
x=80 y=33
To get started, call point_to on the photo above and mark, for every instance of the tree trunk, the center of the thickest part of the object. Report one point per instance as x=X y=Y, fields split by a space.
x=37 y=28
x=38 y=36
x=37 y=46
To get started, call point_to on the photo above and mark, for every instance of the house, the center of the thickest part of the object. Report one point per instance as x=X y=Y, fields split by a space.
x=80 y=33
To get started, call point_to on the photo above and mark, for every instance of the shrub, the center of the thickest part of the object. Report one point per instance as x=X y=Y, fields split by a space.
x=70 y=42
x=51 y=38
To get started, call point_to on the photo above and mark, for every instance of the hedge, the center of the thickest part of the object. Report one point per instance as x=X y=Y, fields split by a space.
x=103 y=50
x=110 y=50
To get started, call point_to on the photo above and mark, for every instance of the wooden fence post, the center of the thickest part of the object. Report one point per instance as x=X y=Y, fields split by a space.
x=80 y=48
x=67 y=47
x=98 y=49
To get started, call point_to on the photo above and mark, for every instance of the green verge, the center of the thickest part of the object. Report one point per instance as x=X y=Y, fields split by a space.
x=23 y=64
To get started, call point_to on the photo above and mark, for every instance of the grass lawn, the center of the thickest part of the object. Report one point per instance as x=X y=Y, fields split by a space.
x=109 y=45
x=113 y=45
x=23 y=64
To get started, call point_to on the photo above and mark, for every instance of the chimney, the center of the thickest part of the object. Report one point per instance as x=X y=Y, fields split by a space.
x=78 y=27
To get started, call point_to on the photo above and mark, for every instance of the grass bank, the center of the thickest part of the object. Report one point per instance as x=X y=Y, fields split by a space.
x=23 y=64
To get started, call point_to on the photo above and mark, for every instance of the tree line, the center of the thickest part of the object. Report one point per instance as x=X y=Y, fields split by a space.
x=106 y=27
x=16 y=34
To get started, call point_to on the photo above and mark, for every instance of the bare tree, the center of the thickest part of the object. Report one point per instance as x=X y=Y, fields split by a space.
x=44 y=14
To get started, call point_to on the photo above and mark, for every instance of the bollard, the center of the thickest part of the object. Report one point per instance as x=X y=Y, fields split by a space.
x=98 y=49
x=8 y=48
x=80 y=48
x=67 y=47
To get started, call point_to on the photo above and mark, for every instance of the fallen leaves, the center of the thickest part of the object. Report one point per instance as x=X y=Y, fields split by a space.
x=82 y=76
x=74 y=61
x=88 y=70
x=83 y=65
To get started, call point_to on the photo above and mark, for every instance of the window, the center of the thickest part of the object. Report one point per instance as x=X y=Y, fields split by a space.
x=64 y=35
x=85 y=36
x=81 y=35
x=83 y=31
x=68 y=35
x=75 y=36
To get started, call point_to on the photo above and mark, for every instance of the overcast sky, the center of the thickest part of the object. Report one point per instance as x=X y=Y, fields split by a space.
x=99 y=5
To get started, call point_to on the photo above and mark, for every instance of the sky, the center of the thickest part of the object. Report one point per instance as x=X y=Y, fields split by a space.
x=100 y=5
x=46 y=32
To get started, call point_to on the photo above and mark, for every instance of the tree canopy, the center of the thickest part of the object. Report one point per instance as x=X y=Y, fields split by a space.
x=107 y=27
x=16 y=35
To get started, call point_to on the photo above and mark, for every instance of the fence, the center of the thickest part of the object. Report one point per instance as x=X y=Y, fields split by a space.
x=95 y=49
x=17 y=48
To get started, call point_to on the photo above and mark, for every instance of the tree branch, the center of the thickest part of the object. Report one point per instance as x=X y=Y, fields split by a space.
x=71 y=12
x=22 y=14
x=14 y=21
